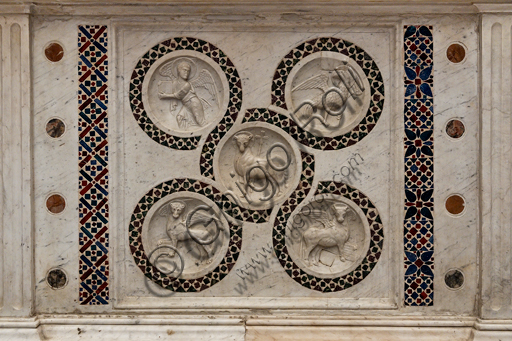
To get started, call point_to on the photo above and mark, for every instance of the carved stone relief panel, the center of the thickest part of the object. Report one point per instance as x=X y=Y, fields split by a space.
x=185 y=235
x=215 y=182
x=185 y=92
x=328 y=92
x=328 y=237
x=257 y=163
x=204 y=183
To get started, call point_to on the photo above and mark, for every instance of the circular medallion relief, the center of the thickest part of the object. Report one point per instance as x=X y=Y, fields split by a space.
x=257 y=164
x=327 y=93
x=328 y=237
x=185 y=235
x=185 y=93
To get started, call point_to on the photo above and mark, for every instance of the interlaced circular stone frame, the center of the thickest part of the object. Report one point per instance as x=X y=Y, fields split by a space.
x=139 y=254
x=370 y=69
x=341 y=282
x=160 y=50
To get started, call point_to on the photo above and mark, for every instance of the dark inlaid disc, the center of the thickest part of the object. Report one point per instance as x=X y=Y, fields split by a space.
x=456 y=53
x=455 y=204
x=55 y=203
x=454 y=279
x=54 y=52
x=55 y=128
x=455 y=129
x=56 y=279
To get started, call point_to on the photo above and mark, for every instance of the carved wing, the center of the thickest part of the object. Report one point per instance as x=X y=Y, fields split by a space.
x=166 y=71
x=201 y=217
x=205 y=80
x=165 y=210
x=320 y=82
x=317 y=217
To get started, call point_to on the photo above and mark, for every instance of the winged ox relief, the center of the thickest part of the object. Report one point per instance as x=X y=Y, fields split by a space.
x=182 y=88
x=335 y=87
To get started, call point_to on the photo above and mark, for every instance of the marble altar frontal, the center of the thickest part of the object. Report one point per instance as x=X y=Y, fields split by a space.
x=241 y=171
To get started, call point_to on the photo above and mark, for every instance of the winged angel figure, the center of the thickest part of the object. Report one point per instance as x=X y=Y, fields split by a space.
x=336 y=87
x=182 y=89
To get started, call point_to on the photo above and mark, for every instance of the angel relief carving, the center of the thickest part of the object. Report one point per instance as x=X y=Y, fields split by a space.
x=334 y=87
x=182 y=89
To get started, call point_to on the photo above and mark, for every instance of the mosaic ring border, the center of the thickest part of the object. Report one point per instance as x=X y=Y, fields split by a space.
x=370 y=69
x=137 y=249
x=206 y=161
x=355 y=276
x=177 y=44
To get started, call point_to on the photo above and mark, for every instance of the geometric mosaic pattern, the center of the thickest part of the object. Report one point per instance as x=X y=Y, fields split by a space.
x=152 y=272
x=419 y=166
x=370 y=69
x=93 y=165
x=162 y=49
x=342 y=282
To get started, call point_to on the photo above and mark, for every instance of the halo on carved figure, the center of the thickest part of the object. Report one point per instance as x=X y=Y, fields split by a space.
x=259 y=164
x=201 y=246
x=146 y=234
x=175 y=111
x=327 y=93
x=178 y=61
x=328 y=237
x=345 y=276
x=350 y=88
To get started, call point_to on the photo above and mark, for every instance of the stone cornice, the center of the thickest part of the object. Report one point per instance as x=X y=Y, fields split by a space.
x=226 y=7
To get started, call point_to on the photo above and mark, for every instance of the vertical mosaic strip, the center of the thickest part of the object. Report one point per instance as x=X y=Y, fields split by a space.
x=93 y=164
x=419 y=166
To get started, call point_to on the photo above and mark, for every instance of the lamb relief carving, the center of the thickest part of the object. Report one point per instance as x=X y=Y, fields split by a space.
x=252 y=168
x=328 y=237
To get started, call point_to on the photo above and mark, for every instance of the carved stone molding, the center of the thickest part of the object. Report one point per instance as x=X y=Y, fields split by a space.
x=496 y=185
x=15 y=204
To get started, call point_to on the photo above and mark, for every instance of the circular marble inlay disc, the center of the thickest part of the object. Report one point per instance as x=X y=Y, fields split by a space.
x=56 y=278
x=54 y=52
x=456 y=53
x=55 y=203
x=455 y=129
x=454 y=279
x=55 y=128
x=455 y=204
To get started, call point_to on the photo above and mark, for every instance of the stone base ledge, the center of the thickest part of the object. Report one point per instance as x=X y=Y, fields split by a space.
x=104 y=327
